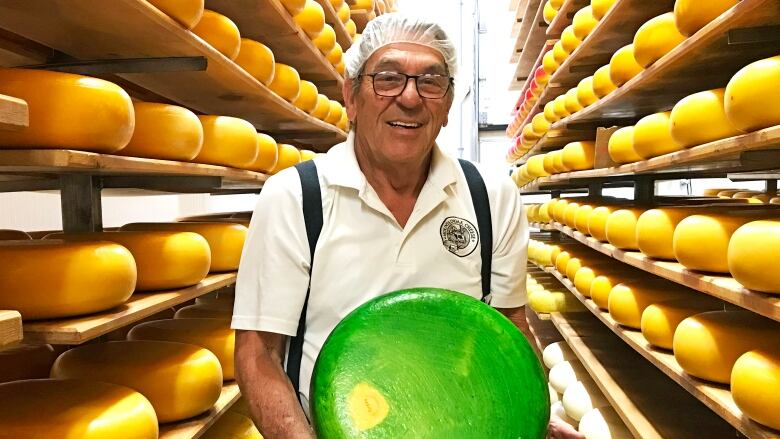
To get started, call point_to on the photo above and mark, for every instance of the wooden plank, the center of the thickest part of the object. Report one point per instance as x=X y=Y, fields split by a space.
x=14 y=114
x=10 y=328
x=528 y=14
x=533 y=44
x=77 y=330
x=194 y=428
x=89 y=32
x=564 y=16
x=331 y=17
x=638 y=392
x=268 y=22
x=360 y=17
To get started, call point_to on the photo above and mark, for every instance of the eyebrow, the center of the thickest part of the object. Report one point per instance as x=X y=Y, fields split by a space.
x=383 y=64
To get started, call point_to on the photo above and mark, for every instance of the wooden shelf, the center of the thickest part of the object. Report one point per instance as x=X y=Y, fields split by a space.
x=77 y=330
x=718 y=398
x=533 y=45
x=342 y=36
x=195 y=427
x=14 y=114
x=542 y=226
x=10 y=328
x=564 y=16
x=526 y=25
x=517 y=29
x=360 y=17
x=705 y=60
x=89 y=32
x=650 y=405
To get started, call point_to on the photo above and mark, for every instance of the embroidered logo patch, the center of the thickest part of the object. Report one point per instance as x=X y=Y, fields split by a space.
x=459 y=236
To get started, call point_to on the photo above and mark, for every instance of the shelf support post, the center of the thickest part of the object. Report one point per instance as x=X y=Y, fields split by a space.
x=81 y=203
x=644 y=189
x=771 y=186
x=595 y=189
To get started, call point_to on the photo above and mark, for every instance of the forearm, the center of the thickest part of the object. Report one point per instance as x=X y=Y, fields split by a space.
x=272 y=400
x=517 y=316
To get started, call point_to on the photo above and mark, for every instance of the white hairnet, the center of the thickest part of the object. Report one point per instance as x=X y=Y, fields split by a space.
x=399 y=28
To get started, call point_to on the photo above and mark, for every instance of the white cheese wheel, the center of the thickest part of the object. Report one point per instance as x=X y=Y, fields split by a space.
x=556 y=353
x=603 y=423
x=566 y=373
x=582 y=397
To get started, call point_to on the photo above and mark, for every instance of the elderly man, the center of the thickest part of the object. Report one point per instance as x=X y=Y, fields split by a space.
x=385 y=210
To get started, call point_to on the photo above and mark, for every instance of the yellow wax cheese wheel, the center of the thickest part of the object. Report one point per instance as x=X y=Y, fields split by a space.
x=307 y=99
x=559 y=208
x=335 y=112
x=336 y=54
x=559 y=53
x=557 y=4
x=323 y=107
x=226 y=240
x=544 y=215
x=257 y=59
x=578 y=156
x=623 y=66
x=286 y=82
x=163 y=131
x=660 y=320
x=621 y=146
x=233 y=426
x=186 y=12
x=559 y=106
x=528 y=133
x=227 y=141
x=569 y=41
x=654 y=39
x=602 y=285
x=13 y=235
x=549 y=112
x=288 y=156
x=603 y=423
x=584 y=22
x=582 y=217
x=548 y=163
x=707 y=345
x=621 y=228
x=701 y=118
x=562 y=261
x=164 y=260
x=326 y=40
x=597 y=222
x=307 y=155
x=655 y=231
x=602 y=82
x=536 y=166
x=596 y=262
x=566 y=373
x=549 y=64
x=68 y=111
x=701 y=242
x=180 y=380
x=585 y=94
x=601 y=7
x=653 y=137
x=351 y=27
x=344 y=13
x=267 y=154
x=627 y=301
x=753 y=252
x=558 y=161
x=552 y=301
x=755 y=385
x=311 y=19
x=213 y=310
x=294 y=6
x=692 y=15
x=583 y=280
x=367 y=5
x=77 y=278
x=25 y=362
x=540 y=124
x=220 y=32
x=582 y=397
x=549 y=13
x=570 y=213
x=81 y=409
x=752 y=99
x=571 y=103
x=343 y=123
x=212 y=334
x=557 y=352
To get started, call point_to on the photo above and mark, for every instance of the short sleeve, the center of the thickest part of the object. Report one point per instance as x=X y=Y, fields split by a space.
x=273 y=276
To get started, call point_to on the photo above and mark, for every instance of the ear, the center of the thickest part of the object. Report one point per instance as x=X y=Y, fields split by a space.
x=349 y=98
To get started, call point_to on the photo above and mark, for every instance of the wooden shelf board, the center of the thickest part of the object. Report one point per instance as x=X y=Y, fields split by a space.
x=532 y=46
x=528 y=15
x=77 y=330
x=360 y=17
x=10 y=328
x=195 y=427
x=564 y=16
x=89 y=32
x=342 y=36
x=14 y=114
x=639 y=393
x=705 y=60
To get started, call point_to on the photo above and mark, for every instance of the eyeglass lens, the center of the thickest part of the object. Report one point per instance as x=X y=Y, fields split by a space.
x=390 y=84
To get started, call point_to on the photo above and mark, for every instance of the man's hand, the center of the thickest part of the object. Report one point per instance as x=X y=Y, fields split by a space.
x=560 y=429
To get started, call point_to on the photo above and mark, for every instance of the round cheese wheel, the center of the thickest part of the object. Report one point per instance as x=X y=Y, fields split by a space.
x=212 y=334
x=326 y=40
x=343 y=14
x=692 y=15
x=323 y=107
x=584 y=22
x=752 y=100
x=227 y=141
x=286 y=82
x=582 y=217
x=545 y=302
x=655 y=231
x=549 y=13
x=549 y=64
x=585 y=94
x=548 y=163
x=701 y=242
x=367 y=5
x=569 y=41
x=536 y=166
x=311 y=19
x=13 y=235
x=226 y=240
x=582 y=397
x=336 y=55
x=267 y=154
x=257 y=59
x=556 y=353
x=654 y=39
x=74 y=408
x=562 y=261
x=351 y=27
x=343 y=123
x=293 y=6
x=180 y=380
x=602 y=83
x=335 y=112
x=554 y=397
x=701 y=118
x=557 y=410
x=560 y=208
x=218 y=297
x=579 y=156
x=755 y=385
x=164 y=260
x=753 y=252
x=566 y=373
x=583 y=280
x=621 y=146
x=570 y=213
x=214 y=310
x=549 y=112
x=570 y=101
x=307 y=155
x=728 y=192
x=529 y=134
x=603 y=423
x=653 y=136
x=186 y=12
x=540 y=124
x=288 y=156
x=25 y=362
x=232 y=425
x=594 y=261
x=68 y=111
x=627 y=301
x=601 y=286
x=707 y=345
x=601 y=7
x=307 y=99
x=559 y=106
x=163 y=131
x=220 y=32
x=621 y=228
x=597 y=222
x=660 y=320
x=623 y=65
x=77 y=277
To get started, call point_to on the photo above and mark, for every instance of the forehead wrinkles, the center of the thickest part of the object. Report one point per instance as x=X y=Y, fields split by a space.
x=422 y=61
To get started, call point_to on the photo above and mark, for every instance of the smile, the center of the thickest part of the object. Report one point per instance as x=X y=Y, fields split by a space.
x=407 y=125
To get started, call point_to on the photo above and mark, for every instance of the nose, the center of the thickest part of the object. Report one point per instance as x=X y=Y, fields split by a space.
x=409 y=96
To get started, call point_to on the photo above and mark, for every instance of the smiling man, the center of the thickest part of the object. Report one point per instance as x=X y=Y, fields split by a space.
x=384 y=211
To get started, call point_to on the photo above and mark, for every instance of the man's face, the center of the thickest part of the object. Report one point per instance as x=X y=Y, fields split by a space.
x=400 y=129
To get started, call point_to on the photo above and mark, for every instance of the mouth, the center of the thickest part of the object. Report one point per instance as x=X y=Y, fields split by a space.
x=405 y=125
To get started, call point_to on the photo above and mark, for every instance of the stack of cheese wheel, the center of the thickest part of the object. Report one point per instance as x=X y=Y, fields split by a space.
x=286 y=82
x=24 y=362
x=623 y=66
x=751 y=98
x=545 y=301
x=267 y=154
x=164 y=260
x=257 y=59
x=226 y=240
x=219 y=32
x=660 y=320
x=156 y=369
x=556 y=353
x=656 y=38
x=752 y=255
x=655 y=230
x=228 y=141
x=566 y=373
x=68 y=111
x=77 y=277
x=307 y=98
x=288 y=156
x=233 y=425
x=550 y=10
x=627 y=301
x=692 y=15
x=586 y=275
x=755 y=385
x=185 y=12
x=601 y=286
x=48 y=408
x=621 y=227
x=311 y=19
x=163 y=131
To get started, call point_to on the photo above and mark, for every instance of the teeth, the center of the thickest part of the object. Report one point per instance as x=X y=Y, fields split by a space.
x=405 y=124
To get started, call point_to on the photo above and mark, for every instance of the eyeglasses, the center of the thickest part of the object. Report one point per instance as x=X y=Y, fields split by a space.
x=392 y=84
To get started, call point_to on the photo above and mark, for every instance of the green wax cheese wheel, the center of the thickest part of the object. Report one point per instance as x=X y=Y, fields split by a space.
x=428 y=363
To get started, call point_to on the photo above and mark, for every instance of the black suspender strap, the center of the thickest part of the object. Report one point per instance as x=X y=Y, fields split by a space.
x=312 y=216
x=479 y=197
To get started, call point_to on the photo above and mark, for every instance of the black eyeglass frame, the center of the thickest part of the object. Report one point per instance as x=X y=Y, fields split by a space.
x=450 y=82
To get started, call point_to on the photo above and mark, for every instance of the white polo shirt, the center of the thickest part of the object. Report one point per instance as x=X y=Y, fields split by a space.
x=363 y=253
